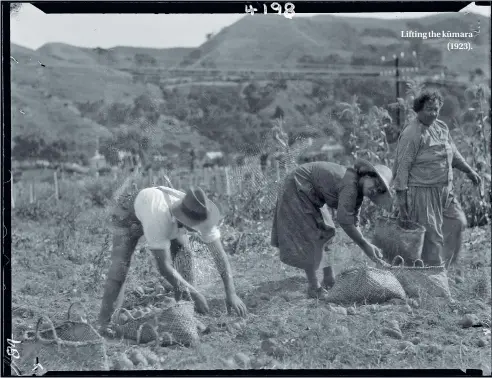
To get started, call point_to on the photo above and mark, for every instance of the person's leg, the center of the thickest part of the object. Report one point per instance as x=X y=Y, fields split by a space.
x=313 y=283
x=113 y=296
x=315 y=290
x=127 y=230
x=328 y=236
x=328 y=265
x=454 y=225
x=425 y=207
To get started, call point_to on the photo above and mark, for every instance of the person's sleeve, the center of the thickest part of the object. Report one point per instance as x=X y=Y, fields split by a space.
x=154 y=215
x=406 y=152
x=348 y=210
x=210 y=235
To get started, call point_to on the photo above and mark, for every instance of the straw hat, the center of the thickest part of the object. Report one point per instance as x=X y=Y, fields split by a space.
x=385 y=175
x=196 y=209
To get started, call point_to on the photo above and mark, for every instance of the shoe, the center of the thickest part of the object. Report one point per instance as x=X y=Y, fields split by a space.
x=319 y=293
x=328 y=278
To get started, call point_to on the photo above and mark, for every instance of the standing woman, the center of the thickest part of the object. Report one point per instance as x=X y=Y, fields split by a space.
x=423 y=180
x=300 y=229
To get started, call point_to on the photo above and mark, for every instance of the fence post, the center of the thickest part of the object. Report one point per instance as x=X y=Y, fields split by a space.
x=151 y=177
x=196 y=175
x=228 y=181
x=277 y=170
x=217 y=180
x=205 y=177
x=238 y=177
x=191 y=178
x=57 y=192
x=31 y=192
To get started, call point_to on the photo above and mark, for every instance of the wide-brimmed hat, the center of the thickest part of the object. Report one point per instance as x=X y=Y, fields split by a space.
x=196 y=209
x=385 y=175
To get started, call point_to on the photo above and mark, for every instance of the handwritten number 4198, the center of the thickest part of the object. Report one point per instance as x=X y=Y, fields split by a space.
x=288 y=11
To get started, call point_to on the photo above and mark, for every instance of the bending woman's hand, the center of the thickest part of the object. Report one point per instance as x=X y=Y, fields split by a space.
x=374 y=253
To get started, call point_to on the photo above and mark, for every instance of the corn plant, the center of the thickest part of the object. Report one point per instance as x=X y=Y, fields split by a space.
x=473 y=138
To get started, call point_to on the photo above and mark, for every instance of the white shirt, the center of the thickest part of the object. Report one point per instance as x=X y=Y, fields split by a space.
x=159 y=226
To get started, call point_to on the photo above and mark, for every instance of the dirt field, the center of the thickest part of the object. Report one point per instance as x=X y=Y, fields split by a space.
x=57 y=262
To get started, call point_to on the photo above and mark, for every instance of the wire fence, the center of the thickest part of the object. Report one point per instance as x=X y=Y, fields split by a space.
x=226 y=180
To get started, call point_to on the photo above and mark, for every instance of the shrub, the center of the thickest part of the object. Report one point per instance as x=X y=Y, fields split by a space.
x=100 y=191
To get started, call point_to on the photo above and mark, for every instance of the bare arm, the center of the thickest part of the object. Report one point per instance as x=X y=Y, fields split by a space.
x=459 y=161
x=354 y=233
x=165 y=266
x=222 y=265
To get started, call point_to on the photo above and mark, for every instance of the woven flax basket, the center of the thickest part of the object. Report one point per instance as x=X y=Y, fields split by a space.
x=364 y=284
x=419 y=280
x=70 y=346
x=397 y=238
x=177 y=320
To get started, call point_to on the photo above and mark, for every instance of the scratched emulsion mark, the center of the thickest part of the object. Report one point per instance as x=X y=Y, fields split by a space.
x=475 y=29
x=38 y=369
x=14 y=8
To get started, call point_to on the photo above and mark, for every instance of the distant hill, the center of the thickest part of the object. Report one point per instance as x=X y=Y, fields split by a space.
x=79 y=94
x=272 y=41
x=119 y=57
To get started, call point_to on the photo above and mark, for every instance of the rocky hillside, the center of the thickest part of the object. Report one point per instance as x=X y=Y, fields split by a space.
x=78 y=95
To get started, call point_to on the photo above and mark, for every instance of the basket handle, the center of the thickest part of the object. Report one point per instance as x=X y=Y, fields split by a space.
x=148 y=325
x=83 y=314
x=418 y=263
x=52 y=326
x=398 y=260
x=118 y=311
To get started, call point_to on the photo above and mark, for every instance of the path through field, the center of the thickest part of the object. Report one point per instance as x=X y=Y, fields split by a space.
x=54 y=265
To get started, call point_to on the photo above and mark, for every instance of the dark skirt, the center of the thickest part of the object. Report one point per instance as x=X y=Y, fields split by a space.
x=295 y=230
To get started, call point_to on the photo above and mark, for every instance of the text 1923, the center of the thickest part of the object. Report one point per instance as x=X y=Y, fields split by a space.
x=288 y=10
x=459 y=46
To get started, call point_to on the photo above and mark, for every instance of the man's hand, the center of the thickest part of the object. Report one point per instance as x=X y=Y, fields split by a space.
x=233 y=302
x=106 y=331
x=200 y=302
x=474 y=177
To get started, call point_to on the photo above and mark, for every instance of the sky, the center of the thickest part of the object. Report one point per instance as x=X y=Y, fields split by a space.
x=32 y=28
